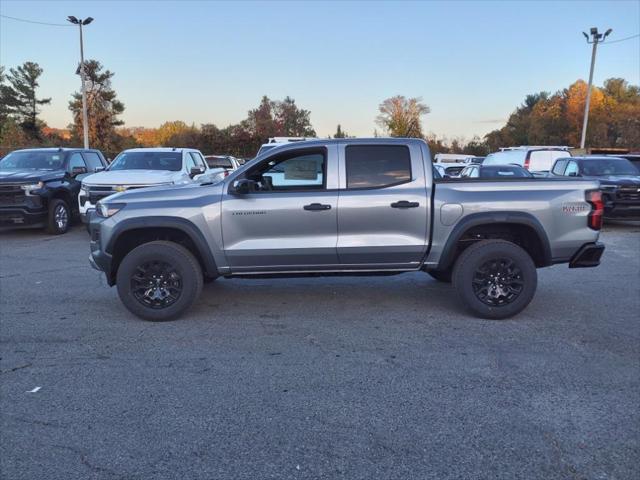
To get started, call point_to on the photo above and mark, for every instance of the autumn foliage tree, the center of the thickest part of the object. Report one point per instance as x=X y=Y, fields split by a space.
x=401 y=117
x=545 y=119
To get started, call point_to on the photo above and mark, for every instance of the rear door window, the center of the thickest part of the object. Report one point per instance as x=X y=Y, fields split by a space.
x=377 y=166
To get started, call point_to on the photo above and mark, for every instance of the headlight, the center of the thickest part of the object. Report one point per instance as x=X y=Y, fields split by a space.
x=84 y=190
x=31 y=186
x=106 y=210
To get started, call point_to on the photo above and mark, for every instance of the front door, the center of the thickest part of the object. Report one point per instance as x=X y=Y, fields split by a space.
x=383 y=207
x=288 y=222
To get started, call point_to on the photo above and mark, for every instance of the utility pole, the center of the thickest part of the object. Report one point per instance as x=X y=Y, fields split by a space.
x=595 y=39
x=85 y=116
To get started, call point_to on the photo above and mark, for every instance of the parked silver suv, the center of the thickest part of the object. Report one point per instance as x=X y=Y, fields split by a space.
x=345 y=206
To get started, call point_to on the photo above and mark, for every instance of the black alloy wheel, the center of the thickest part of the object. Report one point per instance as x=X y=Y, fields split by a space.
x=156 y=284
x=498 y=282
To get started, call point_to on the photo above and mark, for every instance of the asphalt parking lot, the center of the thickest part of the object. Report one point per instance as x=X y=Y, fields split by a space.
x=349 y=377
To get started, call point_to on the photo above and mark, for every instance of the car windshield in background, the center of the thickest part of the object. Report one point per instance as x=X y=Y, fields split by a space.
x=32 y=160
x=504 y=172
x=608 y=166
x=148 y=161
x=218 y=162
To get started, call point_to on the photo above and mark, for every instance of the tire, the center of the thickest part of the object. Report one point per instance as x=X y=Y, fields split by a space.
x=176 y=269
x=59 y=217
x=495 y=261
x=443 y=276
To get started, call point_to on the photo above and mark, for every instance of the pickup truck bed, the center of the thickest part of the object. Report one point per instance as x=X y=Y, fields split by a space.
x=345 y=206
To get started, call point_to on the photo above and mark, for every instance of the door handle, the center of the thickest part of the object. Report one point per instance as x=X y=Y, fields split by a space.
x=405 y=204
x=314 y=207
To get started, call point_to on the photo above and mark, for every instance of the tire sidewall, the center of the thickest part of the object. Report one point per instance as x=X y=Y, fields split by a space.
x=478 y=254
x=175 y=255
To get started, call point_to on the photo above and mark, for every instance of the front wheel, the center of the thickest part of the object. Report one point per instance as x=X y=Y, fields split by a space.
x=59 y=217
x=496 y=279
x=159 y=280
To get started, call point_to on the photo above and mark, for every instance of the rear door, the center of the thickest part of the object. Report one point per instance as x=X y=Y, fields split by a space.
x=383 y=205
x=289 y=222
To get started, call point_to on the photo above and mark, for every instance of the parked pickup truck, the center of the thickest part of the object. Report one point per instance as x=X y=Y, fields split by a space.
x=39 y=186
x=144 y=167
x=348 y=206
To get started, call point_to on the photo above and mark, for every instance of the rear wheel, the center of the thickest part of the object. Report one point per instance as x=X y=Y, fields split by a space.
x=496 y=279
x=159 y=280
x=59 y=217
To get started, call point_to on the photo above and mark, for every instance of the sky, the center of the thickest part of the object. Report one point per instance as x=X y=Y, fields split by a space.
x=472 y=62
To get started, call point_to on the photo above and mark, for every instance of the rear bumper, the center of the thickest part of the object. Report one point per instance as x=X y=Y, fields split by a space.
x=588 y=256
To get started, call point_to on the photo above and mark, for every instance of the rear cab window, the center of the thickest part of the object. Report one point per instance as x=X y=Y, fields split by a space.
x=377 y=166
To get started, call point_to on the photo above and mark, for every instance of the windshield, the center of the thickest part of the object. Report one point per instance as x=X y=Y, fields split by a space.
x=218 y=162
x=32 y=160
x=148 y=161
x=608 y=166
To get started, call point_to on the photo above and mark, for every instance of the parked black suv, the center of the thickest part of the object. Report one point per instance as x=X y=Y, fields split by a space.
x=619 y=182
x=40 y=186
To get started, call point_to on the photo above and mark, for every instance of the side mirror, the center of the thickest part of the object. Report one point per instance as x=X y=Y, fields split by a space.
x=243 y=186
x=75 y=171
x=196 y=171
x=99 y=169
x=573 y=174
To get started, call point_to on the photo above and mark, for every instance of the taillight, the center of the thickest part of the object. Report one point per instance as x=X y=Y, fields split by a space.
x=594 y=198
x=527 y=161
x=226 y=173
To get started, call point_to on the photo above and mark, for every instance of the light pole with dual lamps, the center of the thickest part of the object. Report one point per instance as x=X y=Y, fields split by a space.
x=85 y=119
x=595 y=39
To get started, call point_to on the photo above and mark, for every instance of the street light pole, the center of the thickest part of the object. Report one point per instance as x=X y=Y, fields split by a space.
x=596 y=38
x=85 y=116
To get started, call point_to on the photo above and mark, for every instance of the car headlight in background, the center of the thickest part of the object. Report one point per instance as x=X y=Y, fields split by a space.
x=84 y=190
x=106 y=210
x=30 y=187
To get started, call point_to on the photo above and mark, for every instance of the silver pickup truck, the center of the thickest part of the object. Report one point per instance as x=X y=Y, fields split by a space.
x=348 y=206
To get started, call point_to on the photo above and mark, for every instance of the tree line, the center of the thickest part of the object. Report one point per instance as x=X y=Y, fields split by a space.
x=542 y=119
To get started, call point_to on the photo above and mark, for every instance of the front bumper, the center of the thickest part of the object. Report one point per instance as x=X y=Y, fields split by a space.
x=623 y=203
x=99 y=259
x=22 y=216
x=588 y=256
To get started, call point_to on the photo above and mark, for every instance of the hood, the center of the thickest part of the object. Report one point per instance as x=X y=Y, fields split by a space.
x=168 y=193
x=627 y=180
x=132 y=177
x=29 y=176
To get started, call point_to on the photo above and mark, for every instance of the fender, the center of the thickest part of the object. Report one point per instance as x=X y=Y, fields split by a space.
x=488 y=218
x=182 y=224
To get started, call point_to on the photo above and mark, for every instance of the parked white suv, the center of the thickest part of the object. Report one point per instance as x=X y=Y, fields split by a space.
x=538 y=159
x=145 y=167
